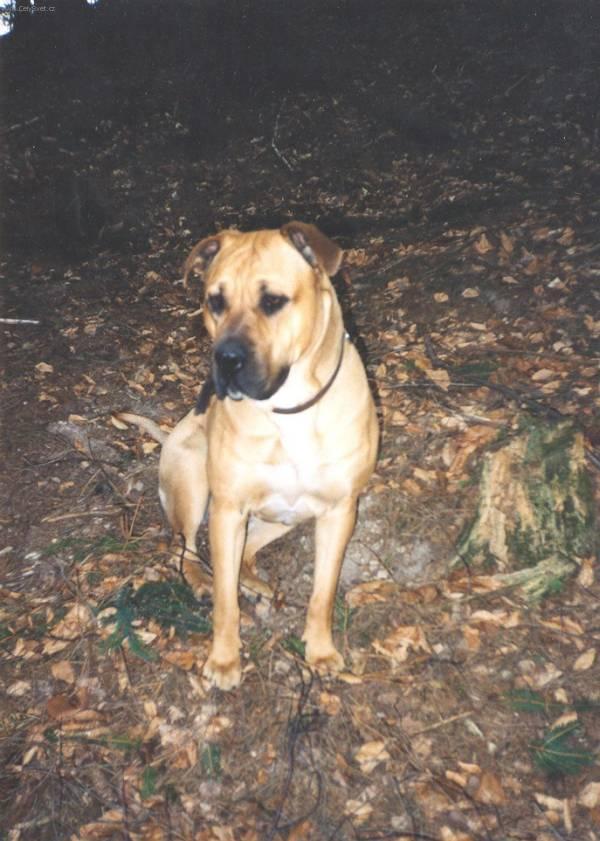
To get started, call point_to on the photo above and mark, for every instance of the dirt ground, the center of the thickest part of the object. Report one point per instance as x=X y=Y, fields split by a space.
x=461 y=174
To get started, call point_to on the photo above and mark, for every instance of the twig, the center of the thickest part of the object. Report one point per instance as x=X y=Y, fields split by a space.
x=128 y=528
x=73 y=515
x=24 y=124
x=125 y=808
x=274 y=146
x=516 y=84
x=442 y=723
x=19 y=321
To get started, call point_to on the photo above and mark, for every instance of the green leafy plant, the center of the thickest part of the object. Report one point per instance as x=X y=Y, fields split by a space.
x=529 y=701
x=557 y=754
x=294 y=645
x=343 y=615
x=170 y=603
x=211 y=760
x=124 y=743
x=123 y=618
x=173 y=605
x=148 y=782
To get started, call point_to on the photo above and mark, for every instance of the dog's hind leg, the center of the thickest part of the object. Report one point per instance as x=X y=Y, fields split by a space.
x=183 y=491
x=260 y=533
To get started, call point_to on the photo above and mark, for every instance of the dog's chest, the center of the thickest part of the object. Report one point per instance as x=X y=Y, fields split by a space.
x=295 y=487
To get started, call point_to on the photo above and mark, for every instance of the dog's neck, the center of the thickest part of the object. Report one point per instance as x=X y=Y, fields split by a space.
x=302 y=407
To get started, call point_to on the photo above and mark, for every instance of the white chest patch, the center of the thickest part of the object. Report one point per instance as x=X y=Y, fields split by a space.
x=291 y=493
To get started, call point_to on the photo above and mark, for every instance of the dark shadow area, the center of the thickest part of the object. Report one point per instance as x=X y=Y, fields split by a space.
x=332 y=90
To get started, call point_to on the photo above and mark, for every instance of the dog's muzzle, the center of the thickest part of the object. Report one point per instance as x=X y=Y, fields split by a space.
x=231 y=359
x=238 y=374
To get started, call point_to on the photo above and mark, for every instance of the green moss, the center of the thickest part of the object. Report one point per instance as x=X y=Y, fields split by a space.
x=522 y=547
x=544 y=512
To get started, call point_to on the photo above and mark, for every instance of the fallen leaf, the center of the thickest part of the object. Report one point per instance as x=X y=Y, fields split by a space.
x=44 y=368
x=440 y=297
x=454 y=777
x=448 y=834
x=586 y=575
x=412 y=487
x=19 y=688
x=470 y=292
x=590 y=796
x=496 y=618
x=108 y=826
x=543 y=375
x=490 y=791
x=370 y=592
x=483 y=245
x=469 y=767
x=440 y=377
x=63 y=670
x=506 y=242
x=563 y=623
x=472 y=638
x=542 y=677
x=75 y=623
x=358 y=810
x=370 y=754
x=118 y=424
x=397 y=645
x=585 y=660
x=62 y=707
x=548 y=802
x=329 y=703
x=183 y=659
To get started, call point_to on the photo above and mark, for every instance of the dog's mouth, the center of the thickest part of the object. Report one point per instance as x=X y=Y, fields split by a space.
x=253 y=389
x=234 y=393
x=237 y=373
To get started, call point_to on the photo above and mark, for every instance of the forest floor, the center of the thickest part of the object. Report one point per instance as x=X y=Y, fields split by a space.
x=470 y=219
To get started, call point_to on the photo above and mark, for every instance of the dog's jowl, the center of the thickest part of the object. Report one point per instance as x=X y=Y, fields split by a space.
x=285 y=430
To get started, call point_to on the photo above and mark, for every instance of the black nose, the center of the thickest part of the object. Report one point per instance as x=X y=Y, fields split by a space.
x=231 y=356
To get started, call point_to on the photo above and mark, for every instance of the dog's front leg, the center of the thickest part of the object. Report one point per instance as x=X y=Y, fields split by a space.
x=227 y=533
x=333 y=531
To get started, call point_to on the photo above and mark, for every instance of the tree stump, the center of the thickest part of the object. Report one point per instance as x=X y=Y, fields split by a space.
x=535 y=515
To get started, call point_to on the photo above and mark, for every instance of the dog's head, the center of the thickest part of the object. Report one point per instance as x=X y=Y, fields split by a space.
x=267 y=295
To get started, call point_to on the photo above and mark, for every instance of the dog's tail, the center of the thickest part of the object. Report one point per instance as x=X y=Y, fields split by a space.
x=145 y=424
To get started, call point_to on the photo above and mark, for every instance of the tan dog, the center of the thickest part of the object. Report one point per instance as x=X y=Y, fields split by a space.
x=289 y=434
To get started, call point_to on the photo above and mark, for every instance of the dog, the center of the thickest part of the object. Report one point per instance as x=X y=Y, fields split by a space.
x=285 y=428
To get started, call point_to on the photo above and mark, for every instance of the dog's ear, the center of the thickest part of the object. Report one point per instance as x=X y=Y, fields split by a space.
x=201 y=256
x=314 y=246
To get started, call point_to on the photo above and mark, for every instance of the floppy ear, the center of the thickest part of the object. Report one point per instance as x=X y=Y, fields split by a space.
x=201 y=256
x=317 y=249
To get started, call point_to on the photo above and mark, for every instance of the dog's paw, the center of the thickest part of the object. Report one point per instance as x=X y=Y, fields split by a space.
x=224 y=675
x=255 y=586
x=324 y=660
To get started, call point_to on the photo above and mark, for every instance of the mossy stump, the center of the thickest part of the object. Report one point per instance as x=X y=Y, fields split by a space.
x=535 y=515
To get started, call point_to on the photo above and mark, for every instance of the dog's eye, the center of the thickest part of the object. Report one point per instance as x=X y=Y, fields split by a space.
x=270 y=304
x=216 y=303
